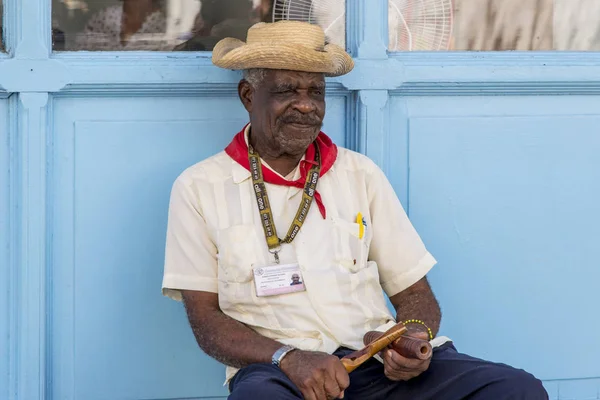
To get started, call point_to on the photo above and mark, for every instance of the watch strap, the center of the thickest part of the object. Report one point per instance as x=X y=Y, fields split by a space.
x=280 y=353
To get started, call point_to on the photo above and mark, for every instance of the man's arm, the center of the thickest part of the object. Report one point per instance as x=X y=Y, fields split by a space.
x=401 y=261
x=418 y=302
x=317 y=375
x=223 y=338
x=415 y=302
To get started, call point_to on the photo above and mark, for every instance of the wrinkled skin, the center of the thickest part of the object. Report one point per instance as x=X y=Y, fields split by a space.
x=286 y=114
x=319 y=376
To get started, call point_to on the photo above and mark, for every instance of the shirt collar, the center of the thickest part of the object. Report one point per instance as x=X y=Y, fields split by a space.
x=239 y=173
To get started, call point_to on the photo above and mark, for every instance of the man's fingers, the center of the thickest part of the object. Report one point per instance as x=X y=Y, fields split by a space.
x=336 y=380
x=341 y=376
x=389 y=361
x=399 y=362
x=394 y=375
x=419 y=335
x=319 y=376
x=309 y=394
x=390 y=373
x=399 y=376
x=320 y=392
x=331 y=388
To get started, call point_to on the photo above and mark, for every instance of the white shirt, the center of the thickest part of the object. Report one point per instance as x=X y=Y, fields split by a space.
x=215 y=239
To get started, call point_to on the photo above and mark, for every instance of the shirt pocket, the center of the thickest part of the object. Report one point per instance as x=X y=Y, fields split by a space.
x=237 y=253
x=351 y=249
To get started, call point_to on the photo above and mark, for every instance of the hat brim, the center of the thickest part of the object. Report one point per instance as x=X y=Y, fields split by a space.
x=231 y=53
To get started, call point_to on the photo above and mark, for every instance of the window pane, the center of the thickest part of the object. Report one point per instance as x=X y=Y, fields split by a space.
x=329 y=15
x=494 y=25
x=179 y=25
x=161 y=25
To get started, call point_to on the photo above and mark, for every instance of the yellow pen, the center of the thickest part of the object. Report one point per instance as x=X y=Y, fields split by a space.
x=361 y=227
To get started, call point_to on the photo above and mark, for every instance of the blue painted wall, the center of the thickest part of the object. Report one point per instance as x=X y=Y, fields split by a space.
x=493 y=155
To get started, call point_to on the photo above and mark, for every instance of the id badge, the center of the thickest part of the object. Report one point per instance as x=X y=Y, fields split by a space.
x=278 y=279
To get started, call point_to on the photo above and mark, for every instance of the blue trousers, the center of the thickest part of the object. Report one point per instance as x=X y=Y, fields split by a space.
x=451 y=376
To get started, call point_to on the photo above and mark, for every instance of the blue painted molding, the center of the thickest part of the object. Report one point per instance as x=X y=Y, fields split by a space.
x=530 y=88
x=373 y=130
x=31 y=260
x=35 y=69
x=398 y=148
x=6 y=239
x=15 y=243
x=163 y=71
x=352 y=128
x=175 y=90
x=36 y=30
x=8 y=245
x=368 y=22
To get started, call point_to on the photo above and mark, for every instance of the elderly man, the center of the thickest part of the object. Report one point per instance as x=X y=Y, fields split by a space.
x=344 y=234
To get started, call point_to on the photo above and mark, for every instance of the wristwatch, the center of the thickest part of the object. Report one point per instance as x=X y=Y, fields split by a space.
x=280 y=353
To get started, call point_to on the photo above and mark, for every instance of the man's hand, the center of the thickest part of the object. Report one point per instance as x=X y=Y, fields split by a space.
x=319 y=376
x=400 y=368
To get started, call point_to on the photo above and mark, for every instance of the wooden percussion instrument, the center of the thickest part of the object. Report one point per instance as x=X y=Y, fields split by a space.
x=375 y=342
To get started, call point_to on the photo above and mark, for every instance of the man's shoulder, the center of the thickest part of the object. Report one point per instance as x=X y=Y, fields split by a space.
x=212 y=169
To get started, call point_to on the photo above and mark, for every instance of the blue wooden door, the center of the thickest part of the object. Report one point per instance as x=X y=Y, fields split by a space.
x=493 y=154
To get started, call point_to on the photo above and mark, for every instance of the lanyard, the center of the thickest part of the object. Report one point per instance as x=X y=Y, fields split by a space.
x=264 y=207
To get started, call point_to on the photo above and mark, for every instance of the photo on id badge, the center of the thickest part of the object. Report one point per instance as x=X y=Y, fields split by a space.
x=278 y=279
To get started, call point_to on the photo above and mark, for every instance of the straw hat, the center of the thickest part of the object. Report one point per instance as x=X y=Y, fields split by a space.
x=289 y=45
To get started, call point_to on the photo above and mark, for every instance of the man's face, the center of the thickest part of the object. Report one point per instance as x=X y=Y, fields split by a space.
x=289 y=108
x=295 y=278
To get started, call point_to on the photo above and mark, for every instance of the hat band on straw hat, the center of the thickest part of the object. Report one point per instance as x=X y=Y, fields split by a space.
x=310 y=35
x=287 y=45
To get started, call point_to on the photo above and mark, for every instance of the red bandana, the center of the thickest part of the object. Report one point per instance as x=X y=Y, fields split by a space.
x=238 y=150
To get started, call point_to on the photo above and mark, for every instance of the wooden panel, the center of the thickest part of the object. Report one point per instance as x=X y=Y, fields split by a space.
x=508 y=206
x=114 y=335
x=5 y=248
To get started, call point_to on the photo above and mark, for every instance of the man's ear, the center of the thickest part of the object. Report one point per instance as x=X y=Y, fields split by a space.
x=246 y=94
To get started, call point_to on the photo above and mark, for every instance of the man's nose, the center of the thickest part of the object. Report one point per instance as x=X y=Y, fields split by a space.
x=304 y=103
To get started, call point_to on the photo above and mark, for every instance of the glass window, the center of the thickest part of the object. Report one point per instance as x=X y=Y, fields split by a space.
x=329 y=15
x=218 y=19
x=494 y=25
x=179 y=25
x=160 y=25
